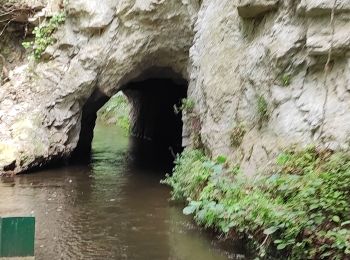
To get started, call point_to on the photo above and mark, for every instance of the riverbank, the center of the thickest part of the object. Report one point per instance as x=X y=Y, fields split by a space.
x=298 y=209
x=116 y=112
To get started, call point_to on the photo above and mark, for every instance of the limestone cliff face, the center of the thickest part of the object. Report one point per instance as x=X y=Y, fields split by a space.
x=250 y=56
x=264 y=74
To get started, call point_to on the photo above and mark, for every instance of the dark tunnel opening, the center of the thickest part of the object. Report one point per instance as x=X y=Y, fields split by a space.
x=156 y=134
x=156 y=129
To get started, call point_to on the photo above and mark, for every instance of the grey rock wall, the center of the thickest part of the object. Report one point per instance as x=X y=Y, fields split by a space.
x=255 y=52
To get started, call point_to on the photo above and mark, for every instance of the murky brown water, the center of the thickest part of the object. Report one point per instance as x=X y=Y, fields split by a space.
x=110 y=209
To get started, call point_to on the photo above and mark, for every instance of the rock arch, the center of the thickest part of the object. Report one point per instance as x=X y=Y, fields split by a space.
x=154 y=123
x=102 y=46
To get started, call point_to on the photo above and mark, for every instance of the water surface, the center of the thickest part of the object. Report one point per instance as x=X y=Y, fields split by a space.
x=112 y=208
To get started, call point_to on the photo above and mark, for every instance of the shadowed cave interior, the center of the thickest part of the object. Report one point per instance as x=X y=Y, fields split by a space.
x=156 y=130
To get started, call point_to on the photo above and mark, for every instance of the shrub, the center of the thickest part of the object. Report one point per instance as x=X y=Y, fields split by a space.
x=190 y=174
x=300 y=210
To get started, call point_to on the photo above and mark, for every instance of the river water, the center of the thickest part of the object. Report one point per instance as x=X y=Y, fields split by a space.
x=111 y=208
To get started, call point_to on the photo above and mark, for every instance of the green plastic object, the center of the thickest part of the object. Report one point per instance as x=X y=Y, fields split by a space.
x=17 y=236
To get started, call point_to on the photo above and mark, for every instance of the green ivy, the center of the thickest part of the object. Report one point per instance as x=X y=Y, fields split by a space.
x=43 y=35
x=298 y=210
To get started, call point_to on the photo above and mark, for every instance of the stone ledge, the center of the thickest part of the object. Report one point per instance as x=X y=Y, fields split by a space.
x=324 y=7
x=92 y=15
x=320 y=39
x=320 y=46
x=253 y=8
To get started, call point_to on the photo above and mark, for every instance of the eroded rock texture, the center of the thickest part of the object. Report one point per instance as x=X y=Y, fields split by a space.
x=276 y=59
x=102 y=46
x=256 y=70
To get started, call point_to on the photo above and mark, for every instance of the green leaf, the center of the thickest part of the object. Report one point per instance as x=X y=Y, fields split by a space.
x=336 y=219
x=314 y=206
x=345 y=223
x=208 y=164
x=270 y=230
x=282 y=159
x=217 y=169
x=281 y=246
x=221 y=159
x=190 y=209
x=326 y=254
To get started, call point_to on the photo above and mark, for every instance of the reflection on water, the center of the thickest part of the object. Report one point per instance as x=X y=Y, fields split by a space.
x=110 y=209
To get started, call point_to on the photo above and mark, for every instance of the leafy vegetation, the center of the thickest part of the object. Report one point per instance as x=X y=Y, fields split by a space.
x=300 y=209
x=43 y=35
x=187 y=106
x=116 y=111
x=286 y=79
x=262 y=108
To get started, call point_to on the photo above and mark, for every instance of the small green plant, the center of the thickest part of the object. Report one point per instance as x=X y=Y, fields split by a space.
x=43 y=35
x=237 y=135
x=286 y=79
x=187 y=106
x=262 y=108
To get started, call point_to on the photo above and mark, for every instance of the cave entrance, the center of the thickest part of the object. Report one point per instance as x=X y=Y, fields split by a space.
x=156 y=127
